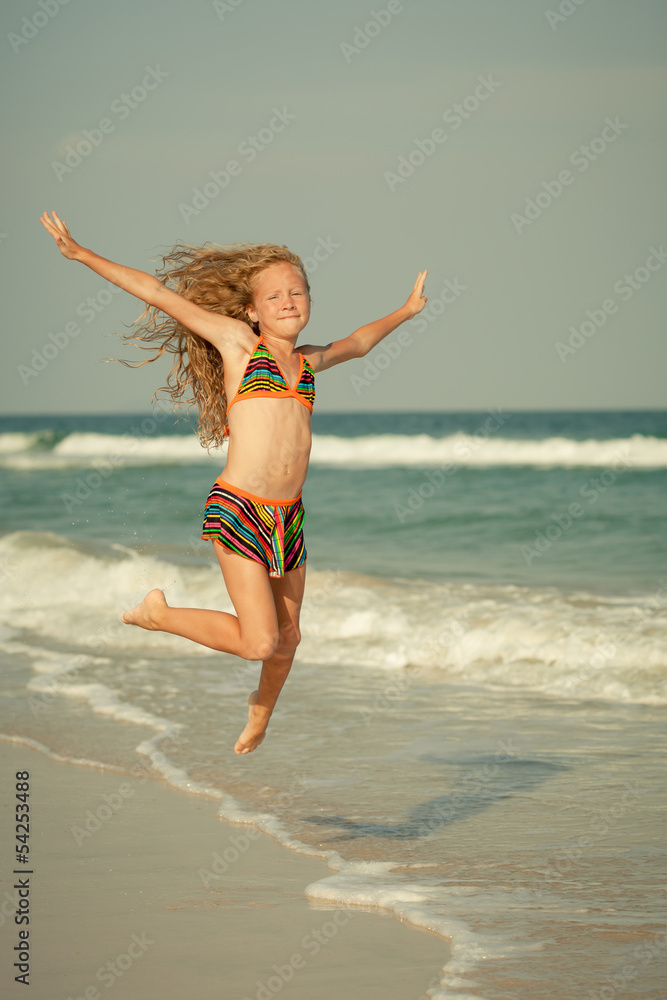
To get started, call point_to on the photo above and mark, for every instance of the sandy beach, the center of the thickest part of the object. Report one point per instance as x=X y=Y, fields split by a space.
x=130 y=892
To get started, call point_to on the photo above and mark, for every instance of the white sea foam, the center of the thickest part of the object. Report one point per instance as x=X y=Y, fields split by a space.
x=32 y=451
x=422 y=450
x=573 y=645
x=103 y=701
x=59 y=589
x=433 y=907
x=16 y=442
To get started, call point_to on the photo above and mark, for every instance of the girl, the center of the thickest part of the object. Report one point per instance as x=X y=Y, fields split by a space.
x=232 y=320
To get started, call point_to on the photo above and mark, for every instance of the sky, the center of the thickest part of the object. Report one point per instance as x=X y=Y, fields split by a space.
x=516 y=149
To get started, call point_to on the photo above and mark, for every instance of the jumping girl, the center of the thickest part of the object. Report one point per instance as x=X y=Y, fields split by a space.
x=231 y=318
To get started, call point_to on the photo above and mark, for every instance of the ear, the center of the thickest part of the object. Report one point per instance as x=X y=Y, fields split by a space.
x=252 y=315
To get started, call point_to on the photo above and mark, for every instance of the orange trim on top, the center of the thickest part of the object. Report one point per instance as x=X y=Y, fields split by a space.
x=281 y=394
x=291 y=391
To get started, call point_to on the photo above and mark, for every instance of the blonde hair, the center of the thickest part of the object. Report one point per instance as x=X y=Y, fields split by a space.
x=220 y=279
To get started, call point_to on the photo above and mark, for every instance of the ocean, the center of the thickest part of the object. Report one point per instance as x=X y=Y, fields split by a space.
x=473 y=733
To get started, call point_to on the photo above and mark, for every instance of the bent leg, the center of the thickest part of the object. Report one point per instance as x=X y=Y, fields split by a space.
x=252 y=633
x=288 y=596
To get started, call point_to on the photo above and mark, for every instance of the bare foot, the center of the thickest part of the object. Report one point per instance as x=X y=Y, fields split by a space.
x=147 y=614
x=254 y=732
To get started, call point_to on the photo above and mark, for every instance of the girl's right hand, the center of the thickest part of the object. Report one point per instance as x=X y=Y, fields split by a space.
x=61 y=234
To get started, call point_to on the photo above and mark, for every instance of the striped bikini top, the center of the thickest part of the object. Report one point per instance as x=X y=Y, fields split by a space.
x=263 y=377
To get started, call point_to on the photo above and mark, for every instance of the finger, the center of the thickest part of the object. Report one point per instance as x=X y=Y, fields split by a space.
x=50 y=228
x=53 y=222
x=59 y=229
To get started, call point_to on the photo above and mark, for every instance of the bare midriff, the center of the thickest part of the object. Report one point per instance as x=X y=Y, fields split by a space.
x=269 y=446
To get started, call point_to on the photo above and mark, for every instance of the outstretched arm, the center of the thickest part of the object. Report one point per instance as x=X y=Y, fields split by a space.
x=363 y=340
x=219 y=330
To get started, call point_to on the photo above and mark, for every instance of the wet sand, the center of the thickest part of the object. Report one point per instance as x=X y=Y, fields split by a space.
x=144 y=891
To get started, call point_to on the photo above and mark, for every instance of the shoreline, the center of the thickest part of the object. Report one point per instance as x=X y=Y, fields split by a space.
x=131 y=878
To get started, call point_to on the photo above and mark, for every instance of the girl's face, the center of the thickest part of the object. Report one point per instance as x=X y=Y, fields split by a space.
x=280 y=304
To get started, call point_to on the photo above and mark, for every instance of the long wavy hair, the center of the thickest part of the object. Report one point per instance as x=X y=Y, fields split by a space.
x=220 y=279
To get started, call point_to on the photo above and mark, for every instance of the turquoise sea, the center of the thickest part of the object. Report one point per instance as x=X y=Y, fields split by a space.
x=473 y=733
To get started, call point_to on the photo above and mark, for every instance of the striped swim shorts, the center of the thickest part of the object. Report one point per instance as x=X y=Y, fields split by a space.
x=268 y=531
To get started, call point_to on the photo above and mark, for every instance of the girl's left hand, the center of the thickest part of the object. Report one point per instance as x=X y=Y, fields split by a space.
x=417 y=299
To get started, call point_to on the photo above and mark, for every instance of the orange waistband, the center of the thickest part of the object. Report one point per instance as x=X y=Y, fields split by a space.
x=251 y=496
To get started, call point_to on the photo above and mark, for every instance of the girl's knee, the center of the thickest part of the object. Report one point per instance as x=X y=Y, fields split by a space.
x=290 y=637
x=260 y=647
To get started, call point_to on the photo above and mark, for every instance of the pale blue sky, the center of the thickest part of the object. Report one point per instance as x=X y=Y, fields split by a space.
x=328 y=180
